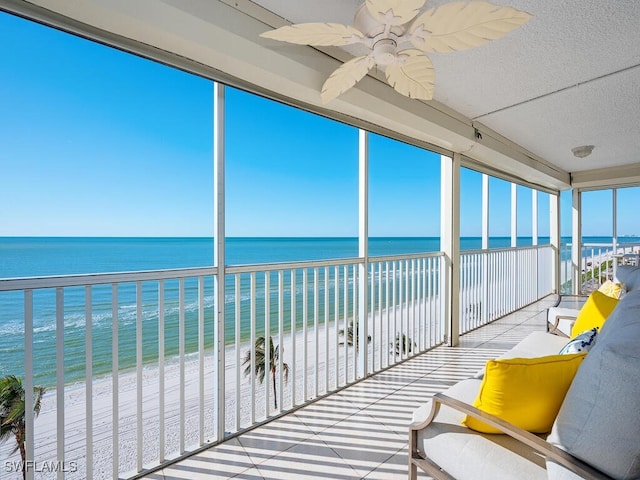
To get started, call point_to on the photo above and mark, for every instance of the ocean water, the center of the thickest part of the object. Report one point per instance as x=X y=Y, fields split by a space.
x=30 y=257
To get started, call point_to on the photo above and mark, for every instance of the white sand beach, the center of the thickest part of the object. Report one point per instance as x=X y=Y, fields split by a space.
x=320 y=371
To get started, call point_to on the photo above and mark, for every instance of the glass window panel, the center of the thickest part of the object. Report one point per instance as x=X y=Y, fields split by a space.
x=289 y=173
x=544 y=219
x=499 y=213
x=525 y=219
x=597 y=216
x=627 y=218
x=404 y=197
x=470 y=209
x=98 y=142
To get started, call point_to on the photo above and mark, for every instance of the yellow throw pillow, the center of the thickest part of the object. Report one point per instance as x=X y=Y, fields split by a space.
x=526 y=392
x=593 y=313
x=612 y=289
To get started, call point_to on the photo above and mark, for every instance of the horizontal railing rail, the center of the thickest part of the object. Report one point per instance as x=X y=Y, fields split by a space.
x=54 y=281
x=128 y=359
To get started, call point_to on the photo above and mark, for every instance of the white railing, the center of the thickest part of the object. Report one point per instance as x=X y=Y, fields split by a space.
x=597 y=264
x=496 y=282
x=142 y=388
x=104 y=396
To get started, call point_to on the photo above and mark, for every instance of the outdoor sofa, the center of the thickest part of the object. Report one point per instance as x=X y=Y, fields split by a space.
x=596 y=433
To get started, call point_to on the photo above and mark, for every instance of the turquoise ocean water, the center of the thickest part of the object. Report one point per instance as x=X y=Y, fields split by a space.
x=29 y=257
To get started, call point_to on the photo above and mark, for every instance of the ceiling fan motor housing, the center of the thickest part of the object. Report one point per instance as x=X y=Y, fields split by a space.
x=384 y=51
x=364 y=22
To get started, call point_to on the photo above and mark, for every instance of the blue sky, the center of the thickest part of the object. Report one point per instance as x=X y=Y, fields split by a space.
x=96 y=142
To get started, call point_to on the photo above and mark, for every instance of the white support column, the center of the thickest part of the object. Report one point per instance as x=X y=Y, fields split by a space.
x=614 y=194
x=450 y=245
x=555 y=239
x=219 y=255
x=576 y=237
x=534 y=216
x=514 y=241
x=614 y=235
x=514 y=215
x=485 y=211
x=363 y=252
x=484 y=309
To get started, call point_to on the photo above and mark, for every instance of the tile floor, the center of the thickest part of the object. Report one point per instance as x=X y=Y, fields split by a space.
x=360 y=432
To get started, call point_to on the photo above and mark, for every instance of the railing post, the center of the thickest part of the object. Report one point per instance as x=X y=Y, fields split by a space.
x=219 y=257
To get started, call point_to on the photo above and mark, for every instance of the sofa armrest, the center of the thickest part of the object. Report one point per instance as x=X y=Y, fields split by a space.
x=554 y=317
x=552 y=452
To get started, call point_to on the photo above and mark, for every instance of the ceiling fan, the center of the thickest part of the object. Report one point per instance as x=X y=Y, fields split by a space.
x=398 y=36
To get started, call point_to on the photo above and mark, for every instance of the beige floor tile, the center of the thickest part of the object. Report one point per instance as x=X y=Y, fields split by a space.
x=326 y=412
x=363 y=442
x=269 y=440
x=312 y=459
x=221 y=462
x=395 y=468
x=251 y=474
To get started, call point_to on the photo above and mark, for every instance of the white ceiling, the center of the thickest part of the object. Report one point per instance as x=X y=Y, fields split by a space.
x=569 y=77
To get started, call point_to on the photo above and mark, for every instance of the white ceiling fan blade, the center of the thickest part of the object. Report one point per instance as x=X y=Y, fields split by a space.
x=462 y=25
x=345 y=77
x=412 y=75
x=319 y=34
x=394 y=12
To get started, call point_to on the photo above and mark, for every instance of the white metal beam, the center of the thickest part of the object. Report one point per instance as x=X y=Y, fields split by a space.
x=602 y=178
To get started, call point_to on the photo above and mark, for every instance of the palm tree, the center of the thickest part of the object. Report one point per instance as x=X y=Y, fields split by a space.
x=352 y=334
x=260 y=366
x=12 y=412
x=403 y=344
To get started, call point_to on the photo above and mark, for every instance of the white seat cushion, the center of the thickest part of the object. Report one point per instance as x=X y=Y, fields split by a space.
x=537 y=344
x=469 y=455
